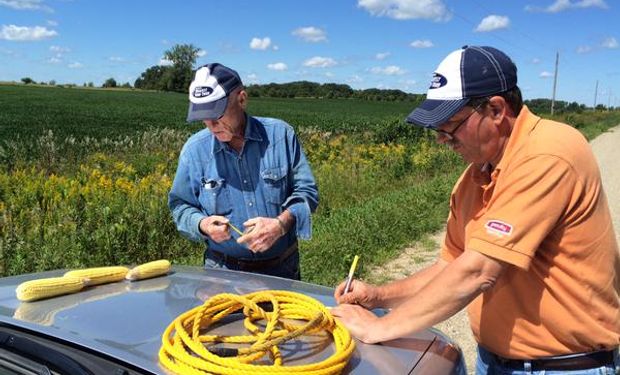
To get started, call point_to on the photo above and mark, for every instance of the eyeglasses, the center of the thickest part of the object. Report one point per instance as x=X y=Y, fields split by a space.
x=450 y=135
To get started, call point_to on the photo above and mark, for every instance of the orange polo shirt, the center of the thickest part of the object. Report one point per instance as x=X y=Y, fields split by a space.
x=543 y=211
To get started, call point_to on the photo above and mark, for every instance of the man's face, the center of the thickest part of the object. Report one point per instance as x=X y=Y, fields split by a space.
x=472 y=134
x=232 y=123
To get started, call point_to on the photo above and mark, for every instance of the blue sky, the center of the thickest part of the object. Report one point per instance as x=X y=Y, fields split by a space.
x=363 y=43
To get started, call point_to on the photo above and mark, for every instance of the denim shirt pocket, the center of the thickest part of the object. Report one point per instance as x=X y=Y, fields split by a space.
x=275 y=184
x=214 y=197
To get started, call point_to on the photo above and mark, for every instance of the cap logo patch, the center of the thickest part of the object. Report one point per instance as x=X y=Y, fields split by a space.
x=438 y=81
x=202 y=91
x=498 y=228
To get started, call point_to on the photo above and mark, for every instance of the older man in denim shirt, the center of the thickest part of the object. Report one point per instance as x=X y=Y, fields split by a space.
x=242 y=173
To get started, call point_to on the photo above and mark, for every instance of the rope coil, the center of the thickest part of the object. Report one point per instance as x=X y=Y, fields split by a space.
x=188 y=349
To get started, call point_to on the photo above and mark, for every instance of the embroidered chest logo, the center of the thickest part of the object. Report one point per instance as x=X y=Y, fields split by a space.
x=498 y=228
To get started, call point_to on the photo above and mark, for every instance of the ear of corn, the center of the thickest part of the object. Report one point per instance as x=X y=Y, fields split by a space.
x=148 y=270
x=43 y=288
x=100 y=275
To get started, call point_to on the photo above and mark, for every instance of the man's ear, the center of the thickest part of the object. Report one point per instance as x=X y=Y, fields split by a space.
x=243 y=99
x=498 y=107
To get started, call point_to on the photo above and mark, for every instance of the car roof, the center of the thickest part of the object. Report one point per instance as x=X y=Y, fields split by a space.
x=125 y=320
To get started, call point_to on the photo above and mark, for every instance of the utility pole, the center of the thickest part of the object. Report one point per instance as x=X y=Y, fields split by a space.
x=555 y=80
x=595 y=94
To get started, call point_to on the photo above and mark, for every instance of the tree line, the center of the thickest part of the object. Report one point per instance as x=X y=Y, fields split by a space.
x=177 y=76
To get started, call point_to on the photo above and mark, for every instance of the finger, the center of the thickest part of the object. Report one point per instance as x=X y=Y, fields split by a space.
x=219 y=221
x=339 y=290
x=251 y=222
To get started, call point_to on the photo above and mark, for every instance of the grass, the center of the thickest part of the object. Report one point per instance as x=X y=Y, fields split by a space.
x=84 y=175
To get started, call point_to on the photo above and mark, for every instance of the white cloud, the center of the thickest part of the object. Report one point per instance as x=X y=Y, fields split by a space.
x=310 y=34
x=59 y=50
x=54 y=60
x=545 y=74
x=391 y=70
x=329 y=75
x=201 y=53
x=382 y=55
x=421 y=44
x=584 y=49
x=562 y=5
x=280 y=66
x=252 y=78
x=261 y=44
x=493 y=22
x=25 y=33
x=355 y=79
x=75 y=65
x=164 y=62
x=407 y=9
x=52 y=23
x=26 y=5
x=535 y=60
x=116 y=59
x=320 y=62
x=610 y=42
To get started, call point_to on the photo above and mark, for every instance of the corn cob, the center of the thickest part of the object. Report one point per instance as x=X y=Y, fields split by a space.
x=100 y=275
x=148 y=270
x=43 y=288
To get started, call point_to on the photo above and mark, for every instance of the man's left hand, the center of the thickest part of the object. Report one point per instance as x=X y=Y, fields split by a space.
x=358 y=321
x=261 y=233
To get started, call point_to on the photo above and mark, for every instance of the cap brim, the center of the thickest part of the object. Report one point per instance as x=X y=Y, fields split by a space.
x=207 y=111
x=432 y=113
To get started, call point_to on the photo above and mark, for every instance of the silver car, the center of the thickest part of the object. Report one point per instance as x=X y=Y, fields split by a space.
x=116 y=328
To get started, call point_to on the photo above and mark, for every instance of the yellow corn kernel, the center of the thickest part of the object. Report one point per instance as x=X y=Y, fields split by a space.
x=148 y=270
x=43 y=288
x=100 y=275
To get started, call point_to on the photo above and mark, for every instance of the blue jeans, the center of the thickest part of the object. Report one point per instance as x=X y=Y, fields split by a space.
x=486 y=364
x=288 y=268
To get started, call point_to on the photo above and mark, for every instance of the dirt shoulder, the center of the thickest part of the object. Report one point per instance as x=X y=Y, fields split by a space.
x=423 y=253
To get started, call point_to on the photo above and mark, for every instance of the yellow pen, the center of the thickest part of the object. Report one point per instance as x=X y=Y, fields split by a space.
x=350 y=277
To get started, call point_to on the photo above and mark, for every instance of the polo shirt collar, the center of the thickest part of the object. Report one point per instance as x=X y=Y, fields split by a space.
x=484 y=174
x=523 y=126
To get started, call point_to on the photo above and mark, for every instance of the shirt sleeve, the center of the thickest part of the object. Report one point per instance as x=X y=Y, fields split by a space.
x=304 y=198
x=184 y=205
x=527 y=205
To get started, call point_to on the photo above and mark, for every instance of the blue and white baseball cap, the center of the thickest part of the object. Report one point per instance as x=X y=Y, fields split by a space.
x=208 y=93
x=467 y=73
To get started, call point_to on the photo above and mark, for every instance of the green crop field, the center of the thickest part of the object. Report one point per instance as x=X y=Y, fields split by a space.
x=84 y=177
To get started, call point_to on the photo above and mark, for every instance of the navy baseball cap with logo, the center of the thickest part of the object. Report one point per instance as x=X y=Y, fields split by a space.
x=468 y=73
x=208 y=92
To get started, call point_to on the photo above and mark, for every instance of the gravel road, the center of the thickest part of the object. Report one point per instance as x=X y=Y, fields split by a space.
x=606 y=148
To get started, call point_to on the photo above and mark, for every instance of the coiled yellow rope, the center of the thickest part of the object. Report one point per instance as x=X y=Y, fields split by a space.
x=186 y=348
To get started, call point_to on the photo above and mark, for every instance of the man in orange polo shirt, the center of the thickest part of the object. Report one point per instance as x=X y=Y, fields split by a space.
x=530 y=248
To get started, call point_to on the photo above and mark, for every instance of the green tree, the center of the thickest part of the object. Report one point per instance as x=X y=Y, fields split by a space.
x=110 y=82
x=182 y=55
x=27 y=80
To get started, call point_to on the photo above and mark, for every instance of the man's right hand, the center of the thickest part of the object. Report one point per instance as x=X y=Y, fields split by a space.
x=216 y=227
x=360 y=293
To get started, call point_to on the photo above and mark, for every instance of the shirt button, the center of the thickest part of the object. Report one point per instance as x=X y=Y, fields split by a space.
x=245 y=181
x=250 y=204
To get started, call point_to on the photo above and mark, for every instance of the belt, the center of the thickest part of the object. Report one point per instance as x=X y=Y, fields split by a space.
x=580 y=361
x=242 y=264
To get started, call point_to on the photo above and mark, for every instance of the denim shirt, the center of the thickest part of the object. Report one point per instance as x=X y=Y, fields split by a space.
x=269 y=175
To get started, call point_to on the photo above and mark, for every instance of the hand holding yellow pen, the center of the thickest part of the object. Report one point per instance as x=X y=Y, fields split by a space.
x=350 y=277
